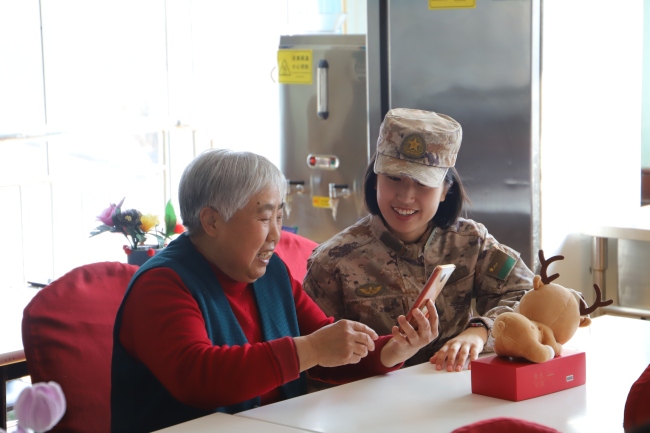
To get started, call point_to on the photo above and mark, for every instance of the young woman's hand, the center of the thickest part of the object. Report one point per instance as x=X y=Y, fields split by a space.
x=342 y=342
x=406 y=340
x=455 y=352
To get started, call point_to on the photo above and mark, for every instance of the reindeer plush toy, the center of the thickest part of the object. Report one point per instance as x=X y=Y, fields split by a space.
x=545 y=319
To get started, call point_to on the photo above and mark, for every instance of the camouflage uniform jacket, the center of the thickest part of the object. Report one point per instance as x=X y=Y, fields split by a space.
x=367 y=274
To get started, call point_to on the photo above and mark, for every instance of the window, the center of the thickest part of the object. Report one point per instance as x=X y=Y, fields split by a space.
x=103 y=104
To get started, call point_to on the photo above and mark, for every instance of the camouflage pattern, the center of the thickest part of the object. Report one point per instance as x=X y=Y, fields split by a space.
x=419 y=144
x=367 y=274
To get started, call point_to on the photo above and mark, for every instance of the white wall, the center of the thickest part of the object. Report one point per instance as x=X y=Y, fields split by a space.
x=590 y=126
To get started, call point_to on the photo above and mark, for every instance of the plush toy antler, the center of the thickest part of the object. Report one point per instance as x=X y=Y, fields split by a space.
x=545 y=264
x=584 y=310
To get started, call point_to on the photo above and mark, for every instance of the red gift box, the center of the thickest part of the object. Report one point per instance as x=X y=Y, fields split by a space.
x=518 y=379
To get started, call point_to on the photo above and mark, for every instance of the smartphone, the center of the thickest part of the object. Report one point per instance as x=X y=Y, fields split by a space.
x=431 y=290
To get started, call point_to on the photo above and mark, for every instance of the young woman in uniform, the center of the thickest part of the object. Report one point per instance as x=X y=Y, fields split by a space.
x=373 y=271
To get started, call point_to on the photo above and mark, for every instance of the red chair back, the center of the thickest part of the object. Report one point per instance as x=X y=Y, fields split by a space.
x=294 y=250
x=637 y=406
x=67 y=332
x=505 y=425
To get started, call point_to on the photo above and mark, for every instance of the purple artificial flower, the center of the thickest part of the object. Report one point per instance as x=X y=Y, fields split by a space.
x=106 y=216
x=40 y=406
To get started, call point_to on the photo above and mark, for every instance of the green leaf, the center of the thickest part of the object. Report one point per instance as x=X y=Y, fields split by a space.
x=170 y=219
x=117 y=230
x=161 y=239
x=137 y=235
x=101 y=229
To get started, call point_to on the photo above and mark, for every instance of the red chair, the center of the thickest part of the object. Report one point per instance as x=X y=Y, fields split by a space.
x=67 y=332
x=504 y=425
x=636 y=415
x=294 y=250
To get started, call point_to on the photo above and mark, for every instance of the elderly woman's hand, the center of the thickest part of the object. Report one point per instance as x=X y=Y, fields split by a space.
x=406 y=340
x=343 y=342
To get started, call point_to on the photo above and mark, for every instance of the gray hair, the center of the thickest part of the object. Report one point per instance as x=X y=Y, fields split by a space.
x=224 y=180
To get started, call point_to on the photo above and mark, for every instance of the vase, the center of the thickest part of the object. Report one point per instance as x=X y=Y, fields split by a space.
x=140 y=255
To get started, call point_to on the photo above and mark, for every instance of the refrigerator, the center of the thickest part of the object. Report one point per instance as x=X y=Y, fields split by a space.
x=477 y=61
x=323 y=131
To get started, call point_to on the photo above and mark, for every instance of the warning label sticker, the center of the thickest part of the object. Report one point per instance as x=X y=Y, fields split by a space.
x=321 y=202
x=295 y=66
x=452 y=4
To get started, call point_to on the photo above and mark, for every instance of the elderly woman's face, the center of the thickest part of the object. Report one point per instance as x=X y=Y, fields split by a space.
x=247 y=240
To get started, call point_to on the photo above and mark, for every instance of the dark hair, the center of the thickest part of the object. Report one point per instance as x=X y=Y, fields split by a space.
x=448 y=211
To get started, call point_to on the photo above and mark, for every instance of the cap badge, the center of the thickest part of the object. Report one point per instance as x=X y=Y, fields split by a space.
x=413 y=146
x=369 y=290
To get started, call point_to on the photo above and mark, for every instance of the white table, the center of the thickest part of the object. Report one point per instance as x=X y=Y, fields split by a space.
x=221 y=422
x=421 y=399
x=12 y=355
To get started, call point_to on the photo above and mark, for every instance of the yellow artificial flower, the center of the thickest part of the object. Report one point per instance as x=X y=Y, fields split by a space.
x=148 y=221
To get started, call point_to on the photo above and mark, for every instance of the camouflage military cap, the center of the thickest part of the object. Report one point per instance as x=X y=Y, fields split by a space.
x=418 y=144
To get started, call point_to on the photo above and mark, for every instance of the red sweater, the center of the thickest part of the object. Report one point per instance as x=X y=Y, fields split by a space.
x=163 y=328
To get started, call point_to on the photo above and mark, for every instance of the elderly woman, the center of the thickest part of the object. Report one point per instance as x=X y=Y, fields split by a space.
x=215 y=322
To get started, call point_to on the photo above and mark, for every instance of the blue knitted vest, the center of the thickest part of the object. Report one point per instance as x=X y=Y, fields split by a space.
x=139 y=402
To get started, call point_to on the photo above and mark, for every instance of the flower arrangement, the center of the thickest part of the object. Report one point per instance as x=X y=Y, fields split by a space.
x=39 y=407
x=136 y=227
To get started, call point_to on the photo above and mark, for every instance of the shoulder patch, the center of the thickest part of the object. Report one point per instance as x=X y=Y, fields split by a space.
x=369 y=290
x=500 y=264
